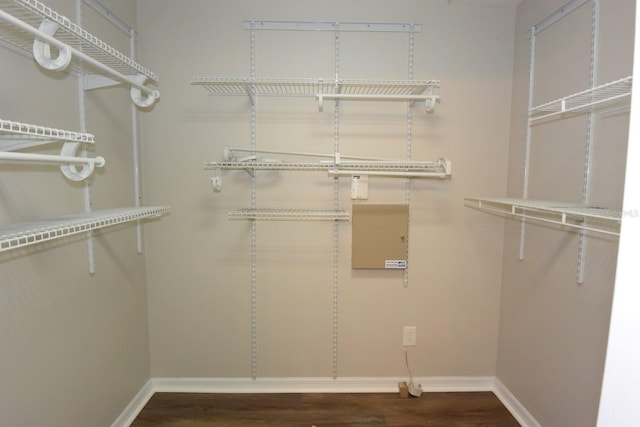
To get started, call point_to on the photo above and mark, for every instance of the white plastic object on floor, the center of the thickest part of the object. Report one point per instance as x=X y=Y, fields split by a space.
x=415 y=390
x=42 y=50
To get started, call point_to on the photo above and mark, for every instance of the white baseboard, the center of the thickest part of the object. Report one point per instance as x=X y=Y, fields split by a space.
x=322 y=385
x=135 y=406
x=514 y=406
x=317 y=384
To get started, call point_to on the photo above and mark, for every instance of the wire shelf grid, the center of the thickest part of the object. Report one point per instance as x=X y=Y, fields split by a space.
x=570 y=214
x=13 y=129
x=33 y=13
x=14 y=236
x=289 y=214
x=432 y=167
x=238 y=86
x=609 y=95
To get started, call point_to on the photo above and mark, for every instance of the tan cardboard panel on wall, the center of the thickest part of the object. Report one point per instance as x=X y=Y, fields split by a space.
x=379 y=236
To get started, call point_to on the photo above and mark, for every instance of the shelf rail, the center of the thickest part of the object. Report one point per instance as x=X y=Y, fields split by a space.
x=51 y=158
x=14 y=236
x=71 y=42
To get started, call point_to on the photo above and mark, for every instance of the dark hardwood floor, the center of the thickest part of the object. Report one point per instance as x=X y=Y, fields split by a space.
x=324 y=409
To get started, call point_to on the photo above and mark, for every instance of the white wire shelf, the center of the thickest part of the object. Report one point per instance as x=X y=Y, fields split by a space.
x=615 y=94
x=427 y=169
x=35 y=28
x=575 y=215
x=335 y=165
x=321 y=89
x=290 y=214
x=10 y=129
x=14 y=236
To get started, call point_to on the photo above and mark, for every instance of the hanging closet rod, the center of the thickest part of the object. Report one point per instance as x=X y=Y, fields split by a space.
x=50 y=158
x=429 y=100
x=69 y=51
x=390 y=173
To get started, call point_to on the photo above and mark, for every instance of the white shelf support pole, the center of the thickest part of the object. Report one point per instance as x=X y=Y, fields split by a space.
x=527 y=146
x=591 y=125
x=407 y=180
x=254 y=280
x=82 y=110
x=336 y=205
x=135 y=146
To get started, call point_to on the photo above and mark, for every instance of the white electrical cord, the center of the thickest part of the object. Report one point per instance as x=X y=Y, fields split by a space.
x=415 y=390
x=406 y=360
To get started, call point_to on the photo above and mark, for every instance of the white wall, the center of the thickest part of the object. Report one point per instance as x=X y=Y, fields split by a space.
x=199 y=261
x=553 y=331
x=74 y=346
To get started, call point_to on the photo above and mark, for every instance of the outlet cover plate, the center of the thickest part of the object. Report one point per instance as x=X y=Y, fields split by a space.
x=409 y=336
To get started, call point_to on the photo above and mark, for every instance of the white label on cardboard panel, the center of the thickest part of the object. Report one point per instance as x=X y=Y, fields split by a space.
x=395 y=263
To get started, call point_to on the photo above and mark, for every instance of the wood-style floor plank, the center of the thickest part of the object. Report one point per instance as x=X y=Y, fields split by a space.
x=325 y=409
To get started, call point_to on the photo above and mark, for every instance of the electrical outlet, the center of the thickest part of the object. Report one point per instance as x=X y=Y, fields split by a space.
x=409 y=336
